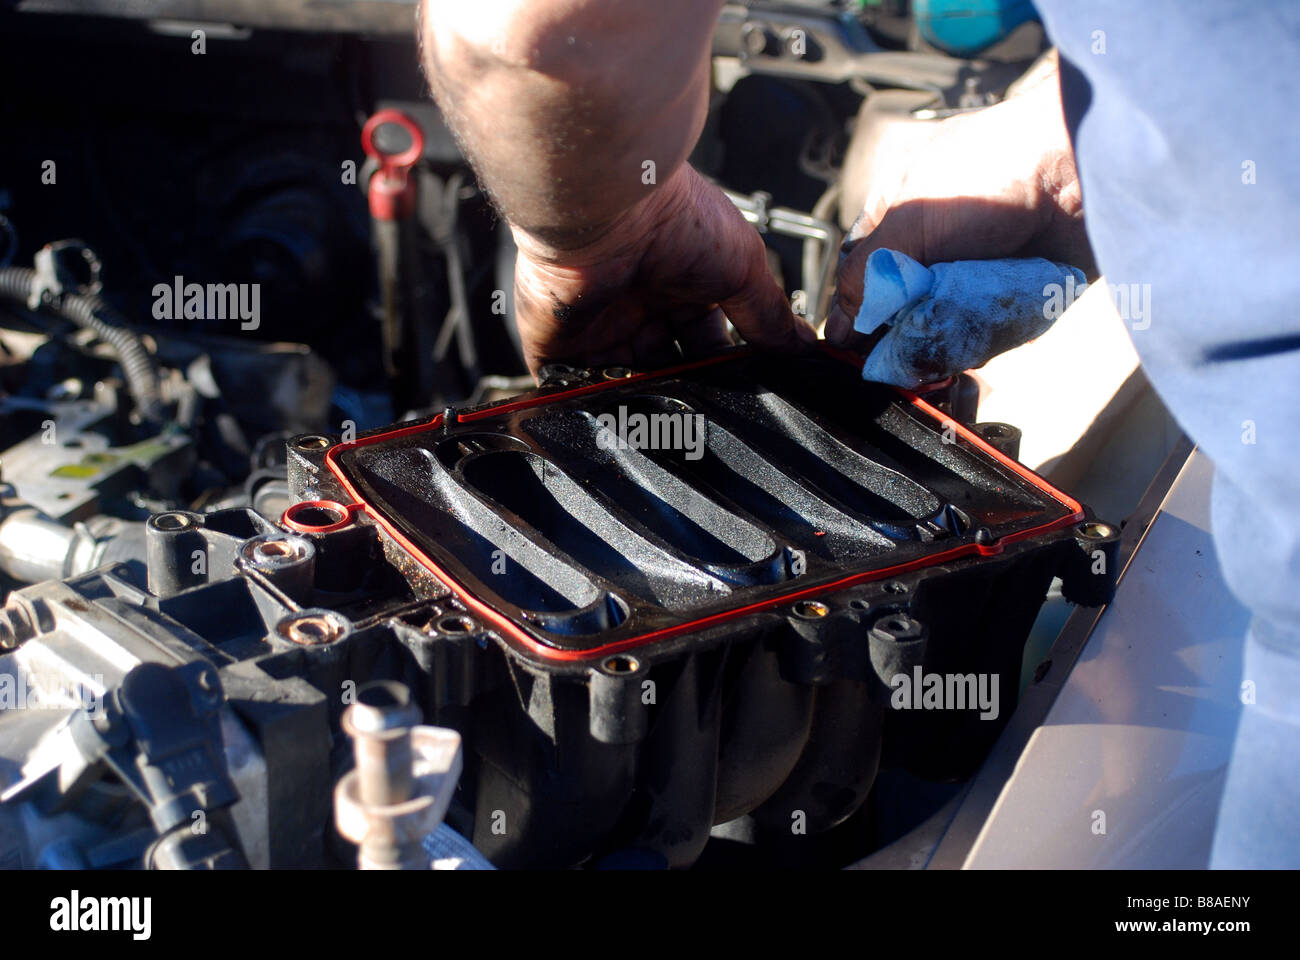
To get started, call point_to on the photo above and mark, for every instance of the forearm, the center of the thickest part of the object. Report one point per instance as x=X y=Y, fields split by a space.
x=561 y=104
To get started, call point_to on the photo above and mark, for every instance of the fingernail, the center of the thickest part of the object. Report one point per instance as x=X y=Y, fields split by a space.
x=853 y=236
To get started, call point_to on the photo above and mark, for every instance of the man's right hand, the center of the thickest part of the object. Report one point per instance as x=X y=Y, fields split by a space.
x=563 y=106
x=665 y=272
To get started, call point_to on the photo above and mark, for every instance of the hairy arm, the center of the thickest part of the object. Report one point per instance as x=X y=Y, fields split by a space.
x=562 y=106
x=559 y=104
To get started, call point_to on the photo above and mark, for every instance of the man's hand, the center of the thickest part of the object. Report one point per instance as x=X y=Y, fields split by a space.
x=666 y=271
x=997 y=183
x=562 y=106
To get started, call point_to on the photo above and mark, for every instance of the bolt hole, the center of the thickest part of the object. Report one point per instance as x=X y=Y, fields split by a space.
x=169 y=521
x=859 y=605
x=455 y=624
x=811 y=609
x=620 y=665
x=316 y=515
x=312 y=443
x=895 y=587
x=313 y=630
x=1094 y=530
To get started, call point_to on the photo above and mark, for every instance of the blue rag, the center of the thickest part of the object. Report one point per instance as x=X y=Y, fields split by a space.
x=955 y=316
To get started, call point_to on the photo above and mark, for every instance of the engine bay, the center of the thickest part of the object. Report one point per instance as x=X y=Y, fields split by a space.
x=278 y=491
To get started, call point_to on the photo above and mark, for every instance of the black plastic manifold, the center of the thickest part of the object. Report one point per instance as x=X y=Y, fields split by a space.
x=696 y=591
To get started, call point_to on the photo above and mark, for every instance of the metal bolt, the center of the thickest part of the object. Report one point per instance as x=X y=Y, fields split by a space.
x=403 y=781
x=380 y=723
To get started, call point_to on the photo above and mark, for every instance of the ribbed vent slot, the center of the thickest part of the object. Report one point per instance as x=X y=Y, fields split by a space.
x=644 y=495
x=879 y=495
x=736 y=475
x=415 y=485
x=897 y=440
x=553 y=508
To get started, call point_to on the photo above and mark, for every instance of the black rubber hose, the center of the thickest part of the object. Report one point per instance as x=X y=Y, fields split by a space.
x=111 y=327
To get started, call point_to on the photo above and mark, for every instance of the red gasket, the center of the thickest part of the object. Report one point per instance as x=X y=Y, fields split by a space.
x=347 y=509
x=510 y=629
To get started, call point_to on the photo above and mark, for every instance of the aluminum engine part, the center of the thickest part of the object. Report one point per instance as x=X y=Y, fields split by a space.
x=67 y=468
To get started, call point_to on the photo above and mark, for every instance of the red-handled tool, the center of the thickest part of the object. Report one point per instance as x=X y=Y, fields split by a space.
x=394 y=141
x=391 y=190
